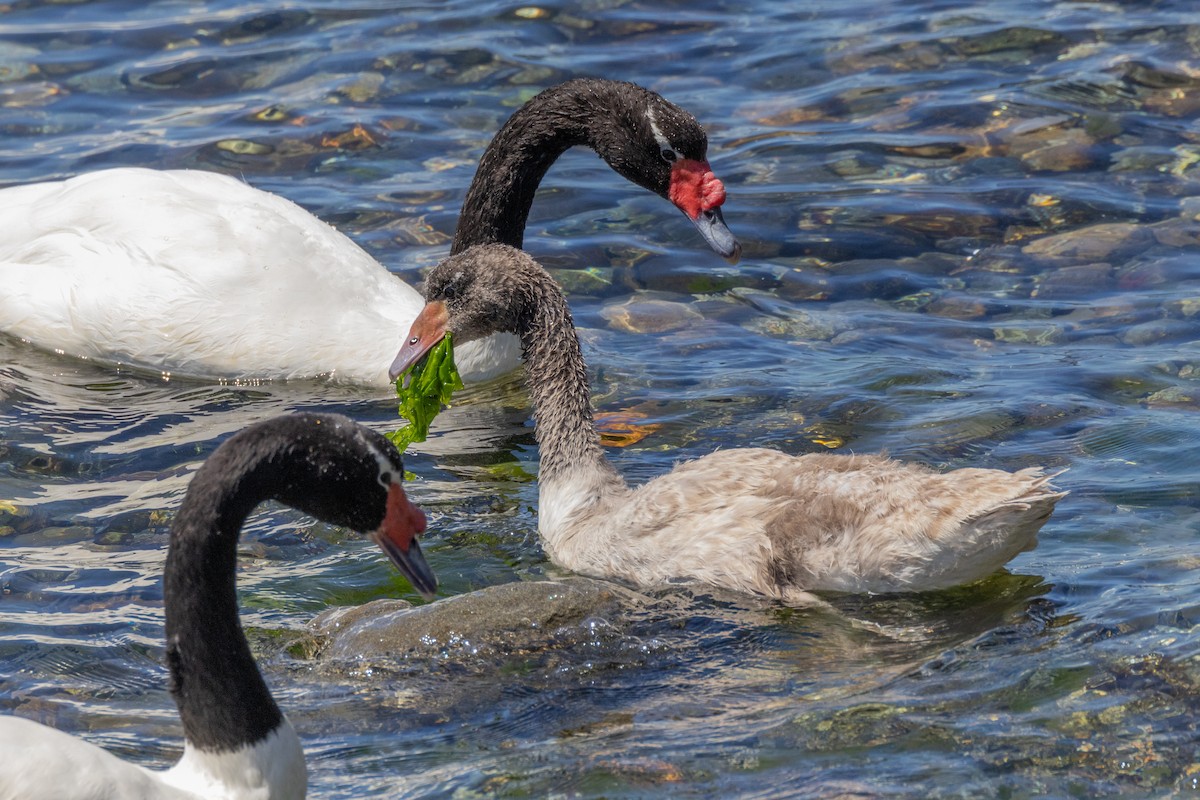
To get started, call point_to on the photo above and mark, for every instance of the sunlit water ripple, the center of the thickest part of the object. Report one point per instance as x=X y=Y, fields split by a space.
x=897 y=174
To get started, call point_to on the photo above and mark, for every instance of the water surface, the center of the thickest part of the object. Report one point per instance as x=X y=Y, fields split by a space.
x=971 y=239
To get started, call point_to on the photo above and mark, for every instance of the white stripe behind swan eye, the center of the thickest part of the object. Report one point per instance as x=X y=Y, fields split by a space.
x=387 y=470
x=663 y=142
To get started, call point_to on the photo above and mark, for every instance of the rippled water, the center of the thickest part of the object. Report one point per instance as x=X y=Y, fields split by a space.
x=918 y=188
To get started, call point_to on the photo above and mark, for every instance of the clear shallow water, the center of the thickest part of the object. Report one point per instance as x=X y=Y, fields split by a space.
x=897 y=174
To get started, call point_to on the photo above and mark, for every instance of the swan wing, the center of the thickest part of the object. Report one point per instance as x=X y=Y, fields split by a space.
x=42 y=763
x=197 y=273
x=764 y=522
x=869 y=523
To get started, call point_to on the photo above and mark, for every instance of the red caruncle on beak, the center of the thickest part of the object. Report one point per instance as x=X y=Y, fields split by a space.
x=694 y=188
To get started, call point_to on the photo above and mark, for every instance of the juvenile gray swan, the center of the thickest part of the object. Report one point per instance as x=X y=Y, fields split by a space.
x=752 y=520
x=238 y=745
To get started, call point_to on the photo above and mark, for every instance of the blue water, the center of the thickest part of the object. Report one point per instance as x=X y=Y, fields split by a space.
x=891 y=170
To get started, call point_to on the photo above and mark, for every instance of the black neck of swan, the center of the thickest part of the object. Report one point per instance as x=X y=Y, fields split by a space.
x=223 y=702
x=578 y=112
x=321 y=464
x=558 y=386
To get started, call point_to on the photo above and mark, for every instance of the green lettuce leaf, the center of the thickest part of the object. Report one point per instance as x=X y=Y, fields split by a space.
x=431 y=381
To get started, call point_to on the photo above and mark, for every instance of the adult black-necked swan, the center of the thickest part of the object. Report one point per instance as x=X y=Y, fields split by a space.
x=196 y=273
x=238 y=745
x=753 y=520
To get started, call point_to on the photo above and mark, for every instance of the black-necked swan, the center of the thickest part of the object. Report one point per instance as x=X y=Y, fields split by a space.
x=195 y=273
x=238 y=744
x=753 y=520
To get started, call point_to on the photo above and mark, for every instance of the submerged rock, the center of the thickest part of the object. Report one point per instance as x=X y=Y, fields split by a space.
x=1187 y=307
x=806 y=279
x=784 y=319
x=1015 y=42
x=1177 y=233
x=1107 y=241
x=501 y=620
x=956 y=306
x=1076 y=282
x=1147 y=333
x=1041 y=334
x=1172 y=397
x=649 y=315
x=877 y=278
x=1054 y=148
x=586 y=281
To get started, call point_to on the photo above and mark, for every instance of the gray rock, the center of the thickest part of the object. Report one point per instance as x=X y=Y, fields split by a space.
x=648 y=315
x=1147 y=333
x=1172 y=397
x=1076 y=282
x=1187 y=307
x=499 y=620
x=1107 y=241
x=1055 y=150
x=1177 y=233
x=1044 y=334
x=956 y=306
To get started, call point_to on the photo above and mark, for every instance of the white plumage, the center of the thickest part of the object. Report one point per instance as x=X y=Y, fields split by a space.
x=196 y=273
x=44 y=762
x=763 y=522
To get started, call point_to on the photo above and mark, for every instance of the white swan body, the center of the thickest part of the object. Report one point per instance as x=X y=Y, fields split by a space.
x=195 y=273
x=45 y=762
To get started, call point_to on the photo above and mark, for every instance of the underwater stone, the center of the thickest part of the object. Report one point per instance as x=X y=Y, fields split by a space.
x=507 y=617
x=1155 y=331
x=956 y=306
x=1076 y=282
x=1106 y=241
x=649 y=315
x=1177 y=233
x=1057 y=150
x=1172 y=397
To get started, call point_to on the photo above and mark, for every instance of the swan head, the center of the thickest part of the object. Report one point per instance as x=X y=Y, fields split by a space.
x=350 y=476
x=486 y=289
x=662 y=148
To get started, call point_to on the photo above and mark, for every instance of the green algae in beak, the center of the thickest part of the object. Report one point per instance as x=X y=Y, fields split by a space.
x=424 y=388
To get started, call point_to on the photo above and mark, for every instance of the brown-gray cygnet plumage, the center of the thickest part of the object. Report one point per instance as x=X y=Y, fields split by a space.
x=753 y=520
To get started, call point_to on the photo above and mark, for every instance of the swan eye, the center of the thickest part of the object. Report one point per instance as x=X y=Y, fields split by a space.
x=669 y=155
x=414 y=340
x=454 y=286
